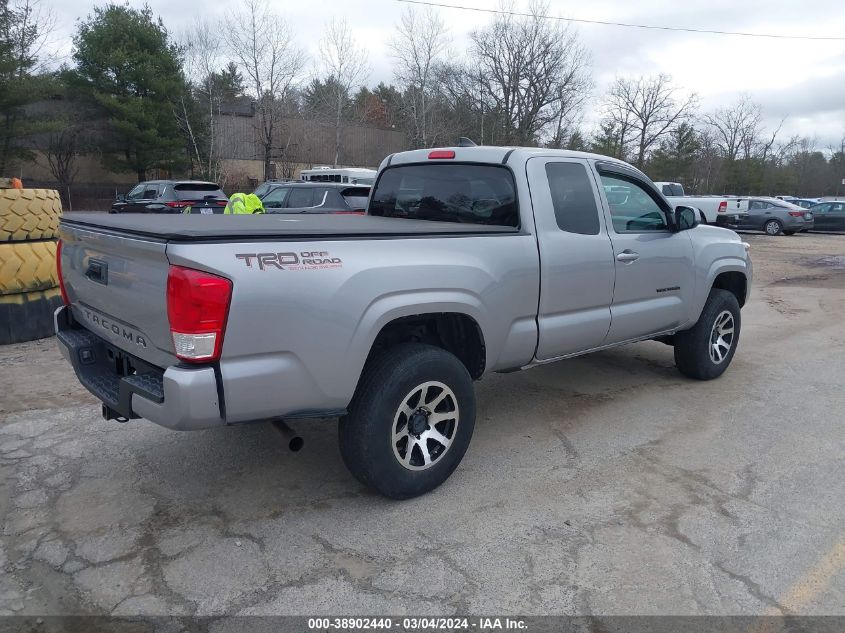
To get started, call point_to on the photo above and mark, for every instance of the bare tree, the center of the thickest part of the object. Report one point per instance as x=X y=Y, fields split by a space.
x=646 y=109
x=202 y=56
x=736 y=127
x=419 y=45
x=534 y=71
x=263 y=46
x=345 y=65
x=62 y=149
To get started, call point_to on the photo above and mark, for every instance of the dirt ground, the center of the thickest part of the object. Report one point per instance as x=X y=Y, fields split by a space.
x=607 y=484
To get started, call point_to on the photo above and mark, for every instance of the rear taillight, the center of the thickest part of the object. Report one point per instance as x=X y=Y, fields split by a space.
x=723 y=207
x=197 y=308
x=442 y=153
x=221 y=203
x=62 y=289
x=179 y=204
x=797 y=214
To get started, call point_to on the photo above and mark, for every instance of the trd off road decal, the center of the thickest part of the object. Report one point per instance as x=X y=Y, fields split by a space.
x=303 y=260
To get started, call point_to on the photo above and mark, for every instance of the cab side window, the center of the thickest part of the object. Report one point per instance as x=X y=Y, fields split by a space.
x=573 y=198
x=632 y=209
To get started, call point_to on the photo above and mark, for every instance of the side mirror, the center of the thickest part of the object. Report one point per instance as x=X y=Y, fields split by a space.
x=121 y=197
x=686 y=218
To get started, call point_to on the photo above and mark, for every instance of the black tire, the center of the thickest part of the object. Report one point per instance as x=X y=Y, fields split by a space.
x=366 y=432
x=773 y=227
x=692 y=347
x=789 y=232
x=703 y=217
x=27 y=316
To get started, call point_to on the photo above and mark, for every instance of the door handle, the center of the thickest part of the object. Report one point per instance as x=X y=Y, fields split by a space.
x=627 y=256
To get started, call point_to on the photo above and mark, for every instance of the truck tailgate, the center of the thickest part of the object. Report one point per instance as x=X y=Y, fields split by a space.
x=117 y=286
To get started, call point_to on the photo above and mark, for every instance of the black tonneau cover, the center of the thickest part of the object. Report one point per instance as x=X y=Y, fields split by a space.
x=217 y=228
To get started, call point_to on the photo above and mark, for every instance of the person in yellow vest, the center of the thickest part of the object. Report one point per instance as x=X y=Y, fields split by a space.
x=240 y=204
x=244 y=204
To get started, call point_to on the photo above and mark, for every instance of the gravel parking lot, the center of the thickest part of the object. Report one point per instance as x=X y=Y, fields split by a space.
x=607 y=484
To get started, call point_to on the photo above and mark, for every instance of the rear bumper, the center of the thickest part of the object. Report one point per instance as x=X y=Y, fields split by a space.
x=179 y=398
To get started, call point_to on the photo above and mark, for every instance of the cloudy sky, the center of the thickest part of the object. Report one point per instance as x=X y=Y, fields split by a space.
x=800 y=80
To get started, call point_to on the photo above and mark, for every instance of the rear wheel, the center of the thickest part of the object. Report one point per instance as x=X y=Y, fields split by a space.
x=704 y=351
x=410 y=422
x=773 y=227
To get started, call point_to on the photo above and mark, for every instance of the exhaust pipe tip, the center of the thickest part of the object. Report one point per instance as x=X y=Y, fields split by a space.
x=295 y=442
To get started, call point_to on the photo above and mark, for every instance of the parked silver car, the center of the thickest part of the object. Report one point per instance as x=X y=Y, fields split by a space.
x=773 y=216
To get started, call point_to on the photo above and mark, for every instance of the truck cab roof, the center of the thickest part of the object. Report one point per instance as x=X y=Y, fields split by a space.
x=495 y=155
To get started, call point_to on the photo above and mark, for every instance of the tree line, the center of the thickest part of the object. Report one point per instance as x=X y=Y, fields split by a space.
x=156 y=96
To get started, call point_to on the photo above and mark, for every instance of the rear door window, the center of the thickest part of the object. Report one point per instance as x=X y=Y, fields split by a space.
x=447 y=192
x=573 y=198
x=150 y=192
x=300 y=197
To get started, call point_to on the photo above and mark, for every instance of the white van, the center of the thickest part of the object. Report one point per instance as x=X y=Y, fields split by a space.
x=350 y=175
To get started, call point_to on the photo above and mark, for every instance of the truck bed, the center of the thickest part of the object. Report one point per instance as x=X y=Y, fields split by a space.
x=223 y=228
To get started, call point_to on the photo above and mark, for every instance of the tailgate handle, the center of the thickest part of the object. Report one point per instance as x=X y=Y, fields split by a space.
x=98 y=271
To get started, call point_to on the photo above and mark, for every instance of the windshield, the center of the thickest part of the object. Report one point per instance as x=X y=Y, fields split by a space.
x=262 y=189
x=447 y=192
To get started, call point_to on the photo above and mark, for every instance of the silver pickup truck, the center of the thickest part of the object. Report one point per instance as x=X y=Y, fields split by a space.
x=469 y=261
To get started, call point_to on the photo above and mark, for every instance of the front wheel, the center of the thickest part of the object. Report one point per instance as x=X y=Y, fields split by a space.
x=773 y=227
x=704 y=351
x=410 y=422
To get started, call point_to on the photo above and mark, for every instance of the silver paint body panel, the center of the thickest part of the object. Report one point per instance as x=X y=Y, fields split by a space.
x=297 y=338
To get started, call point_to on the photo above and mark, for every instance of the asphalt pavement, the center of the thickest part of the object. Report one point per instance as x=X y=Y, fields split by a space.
x=607 y=484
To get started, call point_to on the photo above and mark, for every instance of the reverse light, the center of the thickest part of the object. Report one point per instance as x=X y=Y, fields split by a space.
x=62 y=289
x=723 y=207
x=441 y=153
x=197 y=308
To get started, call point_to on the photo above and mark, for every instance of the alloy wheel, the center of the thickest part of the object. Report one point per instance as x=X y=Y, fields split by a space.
x=424 y=425
x=721 y=337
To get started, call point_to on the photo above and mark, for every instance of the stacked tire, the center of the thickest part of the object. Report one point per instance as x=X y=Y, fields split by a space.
x=29 y=293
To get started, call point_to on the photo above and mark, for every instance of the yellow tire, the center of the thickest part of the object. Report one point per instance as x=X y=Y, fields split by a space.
x=28 y=315
x=27 y=266
x=29 y=214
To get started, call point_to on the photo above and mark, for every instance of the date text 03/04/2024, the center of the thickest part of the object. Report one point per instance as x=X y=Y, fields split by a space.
x=414 y=624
